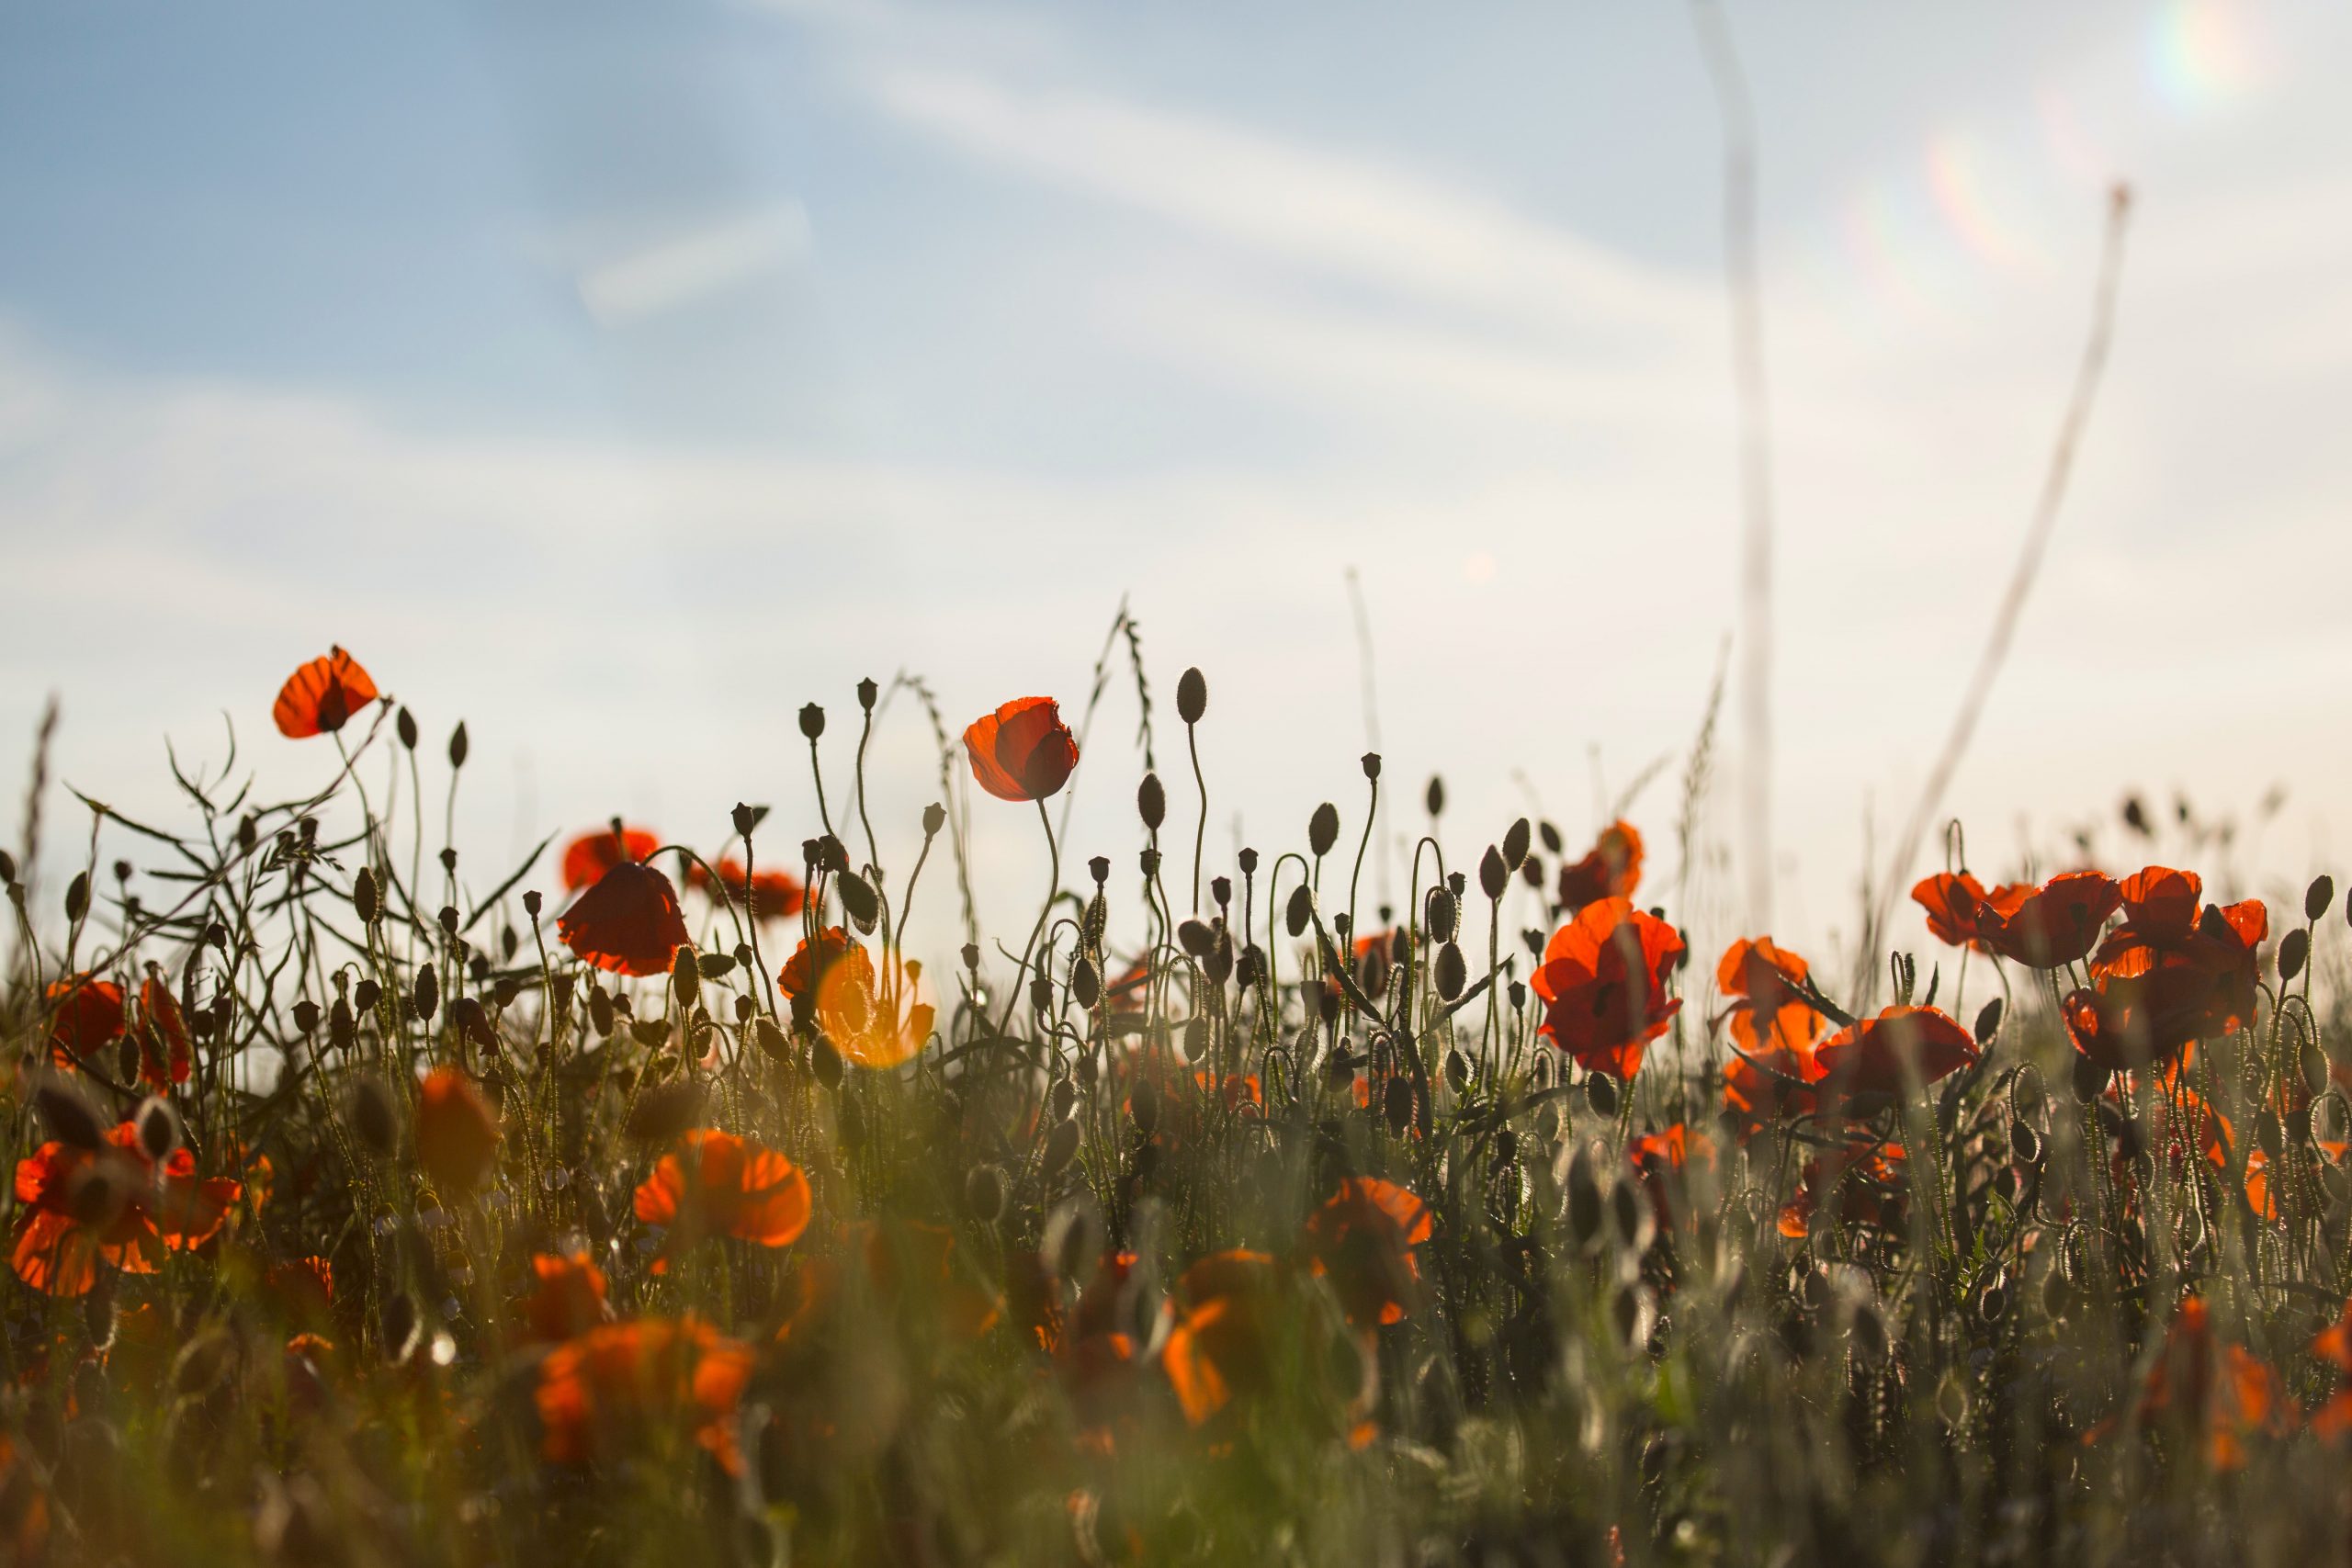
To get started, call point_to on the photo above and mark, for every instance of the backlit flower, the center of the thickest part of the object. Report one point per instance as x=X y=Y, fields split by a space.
x=1876 y=1057
x=1960 y=911
x=1022 y=751
x=320 y=697
x=1603 y=984
x=2056 y=922
x=715 y=1183
x=1768 y=1011
x=620 y=1385
x=628 y=922
x=589 y=856
x=112 y=1205
x=1611 y=869
x=871 y=1013
x=1361 y=1240
x=456 y=1132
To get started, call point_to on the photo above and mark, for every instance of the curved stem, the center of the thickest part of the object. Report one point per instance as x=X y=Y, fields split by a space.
x=1005 y=1020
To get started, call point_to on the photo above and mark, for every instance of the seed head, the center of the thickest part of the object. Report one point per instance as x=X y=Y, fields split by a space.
x=1192 y=695
x=812 y=721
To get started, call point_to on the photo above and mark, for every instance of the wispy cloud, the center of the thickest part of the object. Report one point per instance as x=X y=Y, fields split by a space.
x=684 y=268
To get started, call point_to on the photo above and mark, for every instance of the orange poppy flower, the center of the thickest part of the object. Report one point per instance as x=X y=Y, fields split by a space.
x=88 y=1015
x=1022 y=751
x=872 y=1015
x=2221 y=1394
x=320 y=697
x=1960 y=912
x=2333 y=1346
x=715 y=1183
x=567 y=1297
x=1603 y=984
x=589 y=856
x=603 y=1393
x=164 y=1055
x=1222 y=1340
x=1767 y=1014
x=1361 y=1239
x=770 y=895
x=2168 y=974
x=304 y=1288
x=1872 y=1057
x=457 y=1132
x=1611 y=869
x=1866 y=1182
x=80 y=1208
x=1659 y=1161
x=1767 y=1085
x=2055 y=923
x=628 y=922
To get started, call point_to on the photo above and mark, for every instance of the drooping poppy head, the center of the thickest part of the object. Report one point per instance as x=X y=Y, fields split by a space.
x=628 y=922
x=1022 y=751
x=1611 y=869
x=1960 y=912
x=873 y=1015
x=2057 y=922
x=87 y=1015
x=1361 y=1240
x=567 y=1297
x=1603 y=983
x=1769 y=1012
x=589 y=856
x=456 y=1132
x=320 y=697
x=1874 y=1057
x=607 y=1392
x=715 y=1183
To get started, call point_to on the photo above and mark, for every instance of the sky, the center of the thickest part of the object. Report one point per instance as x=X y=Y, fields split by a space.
x=619 y=376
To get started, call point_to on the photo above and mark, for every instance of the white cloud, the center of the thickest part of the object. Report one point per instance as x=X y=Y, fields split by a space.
x=683 y=268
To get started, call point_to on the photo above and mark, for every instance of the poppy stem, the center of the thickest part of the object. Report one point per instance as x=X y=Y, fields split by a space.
x=1054 y=887
x=1371 y=813
x=1192 y=744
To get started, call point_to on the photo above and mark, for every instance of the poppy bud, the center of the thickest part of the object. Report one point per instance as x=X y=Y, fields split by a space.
x=77 y=896
x=2089 y=1080
x=1302 y=908
x=971 y=955
x=2318 y=897
x=7 y=866
x=717 y=965
x=1196 y=1039
x=600 y=1011
x=1151 y=802
x=469 y=1018
x=374 y=1119
x=1085 y=983
x=770 y=1039
x=1061 y=1144
x=1436 y=797
x=71 y=1119
x=984 y=1193
x=812 y=721
x=1062 y=1099
x=343 y=1030
x=831 y=855
x=1370 y=761
x=2024 y=1141
x=1149 y=861
x=1194 y=938
x=1323 y=830
x=1444 y=914
x=364 y=898
x=826 y=1062
x=865 y=906
x=1988 y=1021
x=1396 y=1105
x=1515 y=843
x=1453 y=972
x=935 y=817
x=126 y=1059
x=1217 y=963
x=867 y=692
x=248 y=834
x=1192 y=695
x=1143 y=1105
x=1601 y=1089
x=1531 y=871
x=427 y=993
x=159 y=1128
x=1041 y=993
x=457 y=746
x=1457 y=1071
x=1493 y=875
x=2293 y=948
x=1251 y=967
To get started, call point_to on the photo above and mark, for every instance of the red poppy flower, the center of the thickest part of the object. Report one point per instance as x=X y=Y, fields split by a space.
x=770 y=895
x=2168 y=974
x=1603 y=984
x=1960 y=911
x=2219 y=1395
x=1611 y=869
x=304 y=1288
x=871 y=1015
x=589 y=856
x=88 y=1015
x=2057 y=922
x=603 y=1393
x=715 y=1183
x=1659 y=1162
x=1769 y=1086
x=1866 y=1182
x=1872 y=1057
x=1022 y=751
x=80 y=1208
x=320 y=697
x=628 y=922
x=1222 y=1342
x=164 y=1055
x=1767 y=1014
x=567 y=1297
x=1361 y=1239
x=457 y=1132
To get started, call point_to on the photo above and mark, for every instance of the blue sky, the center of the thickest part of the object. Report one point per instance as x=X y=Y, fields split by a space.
x=619 y=376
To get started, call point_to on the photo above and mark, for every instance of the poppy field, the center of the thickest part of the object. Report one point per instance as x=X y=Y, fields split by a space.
x=714 y=1192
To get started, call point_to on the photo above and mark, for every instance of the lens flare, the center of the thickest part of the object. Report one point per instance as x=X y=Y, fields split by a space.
x=1957 y=185
x=2203 y=54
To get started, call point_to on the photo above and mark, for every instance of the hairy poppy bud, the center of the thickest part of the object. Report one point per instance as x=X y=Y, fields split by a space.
x=1061 y=1144
x=1515 y=844
x=812 y=721
x=1151 y=802
x=1192 y=695
x=7 y=866
x=1457 y=1071
x=1250 y=967
x=685 y=978
x=1988 y=1021
x=867 y=692
x=1553 y=843
x=1601 y=1089
x=1062 y=1099
x=2293 y=948
x=364 y=898
x=1194 y=937
x=1444 y=914
x=865 y=906
x=343 y=1030
x=458 y=745
x=1085 y=983
x=427 y=993
x=77 y=896
x=1493 y=876
x=719 y=966
x=2318 y=897
x=1396 y=1105
x=1196 y=1039
x=1217 y=962
x=935 y=817
x=404 y=725
x=1370 y=761
x=1302 y=908
x=1041 y=993
x=1143 y=1105
x=1453 y=972
x=826 y=1063
x=770 y=1039
x=1323 y=830
x=1531 y=871
x=71 y=1119
x=600 y=1011
x=375 y=1120
x=1436 y=797
x=984 y=1193
x=469 y=1018
x=159 y=1127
